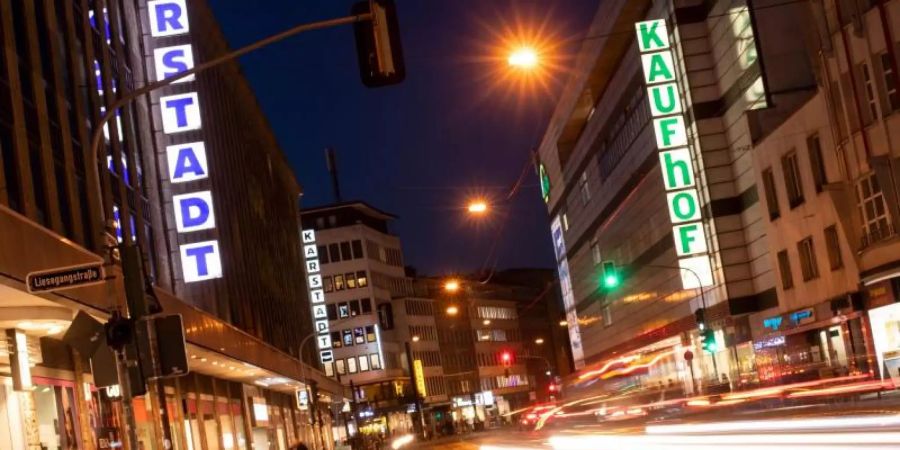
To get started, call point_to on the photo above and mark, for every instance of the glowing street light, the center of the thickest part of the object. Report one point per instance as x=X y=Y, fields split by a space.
x=452 y=310
x=451 y=286
x=477 y=207
x=523 y=58
x=415 y=339
x=486 y=322
x=563 y=323
x=539 y=341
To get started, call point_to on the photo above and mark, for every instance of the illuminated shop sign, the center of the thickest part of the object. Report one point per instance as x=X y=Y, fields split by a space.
x=775 y=341
x=193 y=211
x=675 y=153
x=317 y=296
x=568 y=294
x=545 y=183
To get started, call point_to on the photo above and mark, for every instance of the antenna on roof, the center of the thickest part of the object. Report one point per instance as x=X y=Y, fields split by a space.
x=331 y=163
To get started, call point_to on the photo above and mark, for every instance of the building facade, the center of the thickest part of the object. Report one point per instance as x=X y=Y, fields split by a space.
x=648 y=165
x=62 y=64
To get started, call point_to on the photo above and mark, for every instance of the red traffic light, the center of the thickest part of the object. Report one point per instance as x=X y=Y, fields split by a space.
x=506 y=357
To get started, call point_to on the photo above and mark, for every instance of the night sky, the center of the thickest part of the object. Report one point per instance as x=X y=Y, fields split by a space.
x=461 y=125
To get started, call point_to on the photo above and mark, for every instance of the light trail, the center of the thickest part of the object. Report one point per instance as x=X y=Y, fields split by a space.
x=794 y=441
x=831 y=423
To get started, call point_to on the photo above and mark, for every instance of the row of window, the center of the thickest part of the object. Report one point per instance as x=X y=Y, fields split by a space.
x=352 y=308
x=496 y=312
x=351 y=337
x=793 y=181
x=489 y=359
x=340 y=251
x=499 y=382
x=497 y=335
x=806 y=251
x=424 y=332
x=428 y=358
x=387 y=255
x=434 y=386
x=353 y=364
x=349 y=280
x=419 y=308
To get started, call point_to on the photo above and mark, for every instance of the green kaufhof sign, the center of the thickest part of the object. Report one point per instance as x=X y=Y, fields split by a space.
x=676 y=155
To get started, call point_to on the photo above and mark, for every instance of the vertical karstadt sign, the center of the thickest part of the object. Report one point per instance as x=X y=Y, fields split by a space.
x=317 y=296
x=180 y=112
x=676 y=155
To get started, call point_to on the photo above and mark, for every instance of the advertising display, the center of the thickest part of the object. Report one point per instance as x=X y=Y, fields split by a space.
x=676 y=155
x=317 y=296
x=568 y=295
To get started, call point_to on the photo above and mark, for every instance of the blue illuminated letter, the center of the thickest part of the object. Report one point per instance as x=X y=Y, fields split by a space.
x=168 y=15
x=180 y=105
x=199 y=255
x=194 y=211
x=188 y=164
x=174 y=60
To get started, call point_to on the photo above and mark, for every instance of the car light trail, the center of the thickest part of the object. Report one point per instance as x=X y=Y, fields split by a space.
x=831 y=423
x=844 y=441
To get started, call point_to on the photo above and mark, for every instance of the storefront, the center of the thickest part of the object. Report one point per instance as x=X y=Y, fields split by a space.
x=819 y=342
x=885 y=323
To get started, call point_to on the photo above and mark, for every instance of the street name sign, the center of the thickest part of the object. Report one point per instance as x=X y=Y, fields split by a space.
x=64 y=278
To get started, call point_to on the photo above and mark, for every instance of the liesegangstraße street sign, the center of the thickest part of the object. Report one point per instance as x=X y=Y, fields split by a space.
x=64 y=278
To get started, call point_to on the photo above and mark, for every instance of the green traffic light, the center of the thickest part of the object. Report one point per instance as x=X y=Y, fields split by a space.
x=610 y=281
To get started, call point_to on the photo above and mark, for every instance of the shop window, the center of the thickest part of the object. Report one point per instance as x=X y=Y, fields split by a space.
x=328 y=283
x=334 y=252
x=366 y=305
x=370 y=333
x=814 y=147
x=361 y=279
x=808 y=266
x=346 y=255
x=771 y=194
x=343 y=310
x=338 y=282
x=357 y=249
x=833 y=246
x=350 y=279
x=784 y=269
x=792 y=181
x=341 y=368
x=351 y=365
x=348 y=338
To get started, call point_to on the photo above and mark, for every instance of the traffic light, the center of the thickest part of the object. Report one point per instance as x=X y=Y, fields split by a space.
x=708 y=341
x=700 y=317
x=611 y=278
x=506 y=358
x=378 y=44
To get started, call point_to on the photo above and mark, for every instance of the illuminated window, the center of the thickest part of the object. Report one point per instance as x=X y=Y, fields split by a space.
x=359 y=335
x=361 y=279
x=876 y=223
x=350 y=280
x=370 y=333
x=328 y=283
x=339 y=365
x=338 y=282
x=351 y=365
x=363 y=363
x=329 y=369
x=343 y=310
x=336 y=339
x=348 y=338
x=375 y=361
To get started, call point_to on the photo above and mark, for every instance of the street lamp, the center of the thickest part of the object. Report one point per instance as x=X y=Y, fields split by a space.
x=563 y=323
x=523 y=58
x=451 y=285
x=452 y=310
x=539 y=341
x=415 y=338
x=486 y=322
x=477 y=207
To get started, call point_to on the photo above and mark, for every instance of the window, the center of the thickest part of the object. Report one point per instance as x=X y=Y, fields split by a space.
x=808 y=266
x=345 y=251
x=328 y=283
x=338 y=282
x=348 y=338
x=565 y=221
x=329 y=369
x=343 y=310
x=339 y=364
x=361 y=279
x=584 y=188
x=334 y=252
x=332 y=312
x=375 y=361
x=323 y=254
x=870 y=93
x=792 y=180
x=771 y=194
x=873 y=210
x=350 y=280
x=890 y=82
x=595 y=251
x=370 y=333
x=351 y=365
x=833 y=245
x=784 y=268
x=354 y=308
x=363 y=363
x=357 y=249
x=607 y=316
x=359 y=335
x=814 y=146
x=366 y=305
x=336 y=339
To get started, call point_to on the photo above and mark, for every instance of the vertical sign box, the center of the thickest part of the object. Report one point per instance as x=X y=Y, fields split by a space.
x=317 y=296
x=187 y=164
x=676 y=157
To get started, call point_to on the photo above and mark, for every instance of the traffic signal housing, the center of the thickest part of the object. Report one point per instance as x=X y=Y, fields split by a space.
x=700 y=318
x=708 y=341
x=378 y=44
